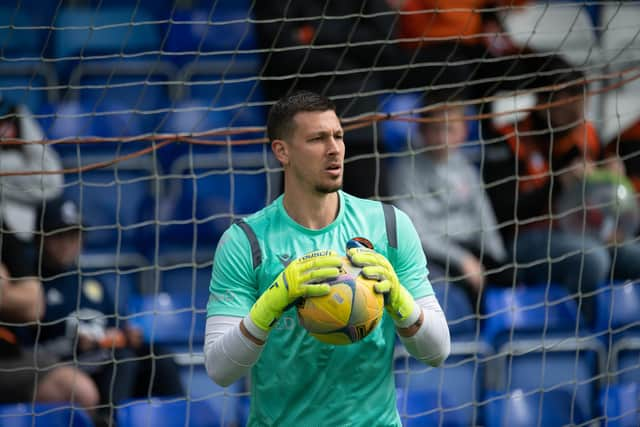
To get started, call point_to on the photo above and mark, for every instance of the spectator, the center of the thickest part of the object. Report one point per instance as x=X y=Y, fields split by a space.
x=443 y=194
x=82 y=322
x=21 y=195
x=349 y=50
x=528 y=166
x=480 y=58
x=26 y=374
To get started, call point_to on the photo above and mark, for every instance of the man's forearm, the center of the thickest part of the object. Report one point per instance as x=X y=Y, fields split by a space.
x=428 y=338
x=22 y=301
x=229 y=353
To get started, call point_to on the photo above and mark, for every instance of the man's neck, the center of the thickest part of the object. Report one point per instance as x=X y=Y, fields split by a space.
x=313 y=211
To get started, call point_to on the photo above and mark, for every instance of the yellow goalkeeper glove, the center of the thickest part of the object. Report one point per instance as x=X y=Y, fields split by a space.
x=398 y=301
x=304 y=277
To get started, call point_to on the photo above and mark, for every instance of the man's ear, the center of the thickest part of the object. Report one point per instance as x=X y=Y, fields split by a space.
x=280 y=150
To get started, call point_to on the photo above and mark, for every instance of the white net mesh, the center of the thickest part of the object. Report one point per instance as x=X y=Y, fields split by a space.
x=156 y=113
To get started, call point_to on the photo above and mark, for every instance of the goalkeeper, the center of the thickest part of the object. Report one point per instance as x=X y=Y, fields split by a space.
x=290 y=250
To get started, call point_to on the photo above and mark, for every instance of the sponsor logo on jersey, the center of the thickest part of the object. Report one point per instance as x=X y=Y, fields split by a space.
x=285 y=259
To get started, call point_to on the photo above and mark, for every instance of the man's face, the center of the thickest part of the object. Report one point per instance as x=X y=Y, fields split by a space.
x=62 y=249
x=315 y=152
x=568 y=113
x=447 y=130
x=8 y=129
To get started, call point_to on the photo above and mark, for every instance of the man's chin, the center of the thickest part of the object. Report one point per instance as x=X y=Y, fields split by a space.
x=328 y=189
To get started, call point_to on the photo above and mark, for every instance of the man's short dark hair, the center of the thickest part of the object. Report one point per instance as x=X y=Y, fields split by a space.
x=557 y=72
x=447 y=99
x=280 y=121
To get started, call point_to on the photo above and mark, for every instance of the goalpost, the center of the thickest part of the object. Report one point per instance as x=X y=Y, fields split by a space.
x=157 y=112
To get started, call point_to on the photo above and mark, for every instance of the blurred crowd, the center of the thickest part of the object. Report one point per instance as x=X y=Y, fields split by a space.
x=548 y=201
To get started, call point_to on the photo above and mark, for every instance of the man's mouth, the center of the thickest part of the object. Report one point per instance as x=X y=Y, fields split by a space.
x=334 y=169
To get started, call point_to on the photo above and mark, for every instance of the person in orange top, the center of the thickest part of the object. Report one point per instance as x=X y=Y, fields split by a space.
x=529 y=166
x=427 y=21
x=469 y=37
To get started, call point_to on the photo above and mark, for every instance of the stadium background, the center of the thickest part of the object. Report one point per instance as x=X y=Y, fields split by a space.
x=141 y=99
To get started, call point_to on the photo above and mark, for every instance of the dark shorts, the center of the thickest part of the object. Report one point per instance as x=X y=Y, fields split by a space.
x=20 y=374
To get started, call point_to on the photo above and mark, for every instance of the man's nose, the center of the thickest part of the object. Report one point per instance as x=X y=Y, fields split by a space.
x=333 y=145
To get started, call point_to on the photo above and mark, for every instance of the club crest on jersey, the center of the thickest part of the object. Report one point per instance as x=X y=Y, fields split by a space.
x=359 y=242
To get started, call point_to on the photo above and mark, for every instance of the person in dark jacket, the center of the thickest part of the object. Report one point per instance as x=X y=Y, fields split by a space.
x=82 y=320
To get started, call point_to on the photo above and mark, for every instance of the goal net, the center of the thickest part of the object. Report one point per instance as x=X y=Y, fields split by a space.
x=509 y=131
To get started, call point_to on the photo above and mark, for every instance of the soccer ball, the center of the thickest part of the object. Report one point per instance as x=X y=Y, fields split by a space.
x=350 y=311
x=605 y=207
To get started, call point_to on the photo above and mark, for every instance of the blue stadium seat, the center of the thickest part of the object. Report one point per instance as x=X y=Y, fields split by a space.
x=169 y=319
x=620 y=405
x=106 y=31
x=166 y=413
x=519 y=409
x=141 y=88
x=226 y=5
x=618 y=324
x=110 y=200
x=225 y=402
x=425 y=408
x=458 y=310
x=160 y=9
x=65 y=120
x=459 y=384
x=76 y=119
x=572 y=370
x=18 y=37
x=618 y=309
x=216 y=34
x=181 y=272
x=27 y=85
x=223 y=86
x=113 y=118
x=398 y=134
x=206 y=193
x=540 y=343
x=625 y=355
x=43 y=415
x=192 y=117
x=528 y=311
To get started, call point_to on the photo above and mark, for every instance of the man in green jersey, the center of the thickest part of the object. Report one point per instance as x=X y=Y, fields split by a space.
x=289 y=250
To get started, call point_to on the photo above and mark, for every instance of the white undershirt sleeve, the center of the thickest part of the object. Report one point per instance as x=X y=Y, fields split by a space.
x=432 y=343
x=228 y=354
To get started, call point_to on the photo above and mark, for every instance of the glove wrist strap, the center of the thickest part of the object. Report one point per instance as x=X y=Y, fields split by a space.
x=254 y=329
x=410 y=319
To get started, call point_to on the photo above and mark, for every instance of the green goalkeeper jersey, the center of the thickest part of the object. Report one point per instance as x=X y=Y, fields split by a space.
x=299 y=381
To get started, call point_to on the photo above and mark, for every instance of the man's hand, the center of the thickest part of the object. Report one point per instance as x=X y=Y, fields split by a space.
x=86 y=342
x=304 y=277
x=398 y=301
x=134 y=336
x=4 y=281
x=473 y=272
x=576 y=172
